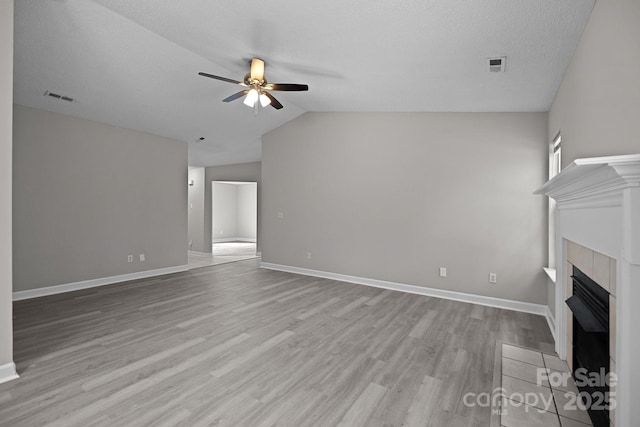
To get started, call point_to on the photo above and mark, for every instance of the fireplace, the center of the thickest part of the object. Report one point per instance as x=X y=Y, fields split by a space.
x=589 y=305
x=597 y=230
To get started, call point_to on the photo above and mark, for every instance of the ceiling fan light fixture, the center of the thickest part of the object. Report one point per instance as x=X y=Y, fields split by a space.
x=257 y=69
x=264 y=100
x=256 y=89
x=251 y=98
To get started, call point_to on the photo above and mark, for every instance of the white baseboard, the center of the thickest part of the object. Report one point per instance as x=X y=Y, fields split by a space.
x=199 y=253
x=551 y=321
x=525 y=307
x=8 y=372
x=85 y=284
x=234 y=239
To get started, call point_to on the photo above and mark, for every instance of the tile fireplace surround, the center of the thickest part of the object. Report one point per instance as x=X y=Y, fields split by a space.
x=598 y=224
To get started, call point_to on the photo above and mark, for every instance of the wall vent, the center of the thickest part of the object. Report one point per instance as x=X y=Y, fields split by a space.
x=498 y=64
x=59 y=96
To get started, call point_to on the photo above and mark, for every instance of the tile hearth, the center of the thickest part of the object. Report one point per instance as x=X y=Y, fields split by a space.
x=528 y=399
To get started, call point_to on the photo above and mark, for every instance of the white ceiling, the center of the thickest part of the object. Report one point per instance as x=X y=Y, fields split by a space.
x=135 y=64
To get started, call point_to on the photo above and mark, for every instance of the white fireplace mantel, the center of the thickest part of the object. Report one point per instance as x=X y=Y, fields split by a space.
x=598 y=206
x=594 y=181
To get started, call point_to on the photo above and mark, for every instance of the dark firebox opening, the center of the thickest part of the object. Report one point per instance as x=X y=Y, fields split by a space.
x=590 y=307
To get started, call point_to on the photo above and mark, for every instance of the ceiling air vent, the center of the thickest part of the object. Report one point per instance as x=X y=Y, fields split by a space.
x=59 y=96
x=497 y=65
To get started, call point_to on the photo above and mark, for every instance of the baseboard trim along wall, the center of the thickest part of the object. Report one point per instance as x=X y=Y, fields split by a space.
x=199 y=253
x=525 y=307
x=8 y=372
x=234 y=239
x=93 y=283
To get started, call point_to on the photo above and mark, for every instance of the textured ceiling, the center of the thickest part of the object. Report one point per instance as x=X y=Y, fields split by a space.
x=134 y=64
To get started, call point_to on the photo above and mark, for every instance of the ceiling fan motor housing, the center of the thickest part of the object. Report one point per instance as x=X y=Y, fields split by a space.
x=249 y=82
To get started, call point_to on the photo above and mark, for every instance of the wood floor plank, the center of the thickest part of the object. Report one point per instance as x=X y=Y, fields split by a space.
x=173 y=419
x=171 y=301
x=361 y=410
x=254 y=353
x=238 y=345
x=48 y=325
x=82 y=346
x=424 y=404
x=422 y=326
x=382 y=294
x=5 y=397
x=85 y=413
x=347 y=308
x=114 y=374
x=317 y=309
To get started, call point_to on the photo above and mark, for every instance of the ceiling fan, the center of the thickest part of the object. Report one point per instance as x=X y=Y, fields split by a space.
x=258 y=89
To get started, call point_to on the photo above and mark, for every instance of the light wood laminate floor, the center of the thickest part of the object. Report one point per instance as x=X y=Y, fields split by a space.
x=222 y=253
x=235 y=345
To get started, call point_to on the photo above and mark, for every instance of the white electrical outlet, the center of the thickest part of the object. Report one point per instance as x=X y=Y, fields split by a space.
x=308 y=255
x=443 y=272
x=493 y=278
x=129 y=258
x=142 y=257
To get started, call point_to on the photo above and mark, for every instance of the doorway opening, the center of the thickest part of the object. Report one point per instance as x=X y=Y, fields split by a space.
x=234 y=221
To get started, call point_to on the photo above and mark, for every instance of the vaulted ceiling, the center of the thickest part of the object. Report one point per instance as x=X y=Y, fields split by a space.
x=135 y=64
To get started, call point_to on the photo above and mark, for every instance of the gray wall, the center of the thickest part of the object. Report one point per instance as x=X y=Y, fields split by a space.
x=598 y=104
x=394 y=196
x=248 y=211
x=244 y=172
x=6 y=100
x=196 y=211
x=225 y=211
x=86 y=195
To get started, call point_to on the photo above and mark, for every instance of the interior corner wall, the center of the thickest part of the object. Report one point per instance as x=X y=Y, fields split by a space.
x=225 y=211
x=597 y=106
x=247 y=211
x=196 y=241
x=242 y=172
x=395 y=196
x=6 y=124
x=86 y=195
